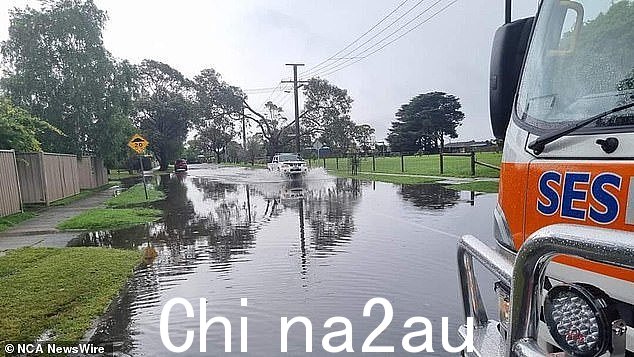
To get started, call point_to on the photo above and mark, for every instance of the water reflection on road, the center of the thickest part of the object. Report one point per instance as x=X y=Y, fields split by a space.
x=319 y=247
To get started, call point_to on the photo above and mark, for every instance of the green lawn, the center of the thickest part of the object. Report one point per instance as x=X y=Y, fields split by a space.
x=121 y=174
x=421 y=165
x=109 y=218
x=81 y=195
x=59 y=290
x=12 y=220
x=135 y=196
x=478 y=186
x=405 y=180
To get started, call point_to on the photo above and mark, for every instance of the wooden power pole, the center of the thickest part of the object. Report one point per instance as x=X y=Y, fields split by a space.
x=295 y=88
x=244 y=131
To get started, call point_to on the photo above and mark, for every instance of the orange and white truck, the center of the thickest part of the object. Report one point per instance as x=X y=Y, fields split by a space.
x=562 y=99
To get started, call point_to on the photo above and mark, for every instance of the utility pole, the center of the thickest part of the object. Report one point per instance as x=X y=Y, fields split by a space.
x=244 y=131
x=295 y=88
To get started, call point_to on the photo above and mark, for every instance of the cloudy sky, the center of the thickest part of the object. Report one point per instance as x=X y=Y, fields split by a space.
x=249 y=41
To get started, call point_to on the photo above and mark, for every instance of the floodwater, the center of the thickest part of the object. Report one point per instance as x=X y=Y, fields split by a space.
x=320 y=247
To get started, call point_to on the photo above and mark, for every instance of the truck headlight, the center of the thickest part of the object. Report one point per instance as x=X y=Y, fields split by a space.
x=578 y=319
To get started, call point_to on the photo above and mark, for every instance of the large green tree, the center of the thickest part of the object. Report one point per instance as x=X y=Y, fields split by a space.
x=363 y=136
x=164 y=109
x=423 y=123
x=19 y=130
x=211 y=140
x=326 y=116
x=56 y=66
x=277 y=130
x=218 y=107
x=255 y=148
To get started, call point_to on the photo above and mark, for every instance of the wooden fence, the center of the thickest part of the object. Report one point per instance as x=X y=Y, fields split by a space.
x=92 y=172
x=47 y=177
x=10 y=202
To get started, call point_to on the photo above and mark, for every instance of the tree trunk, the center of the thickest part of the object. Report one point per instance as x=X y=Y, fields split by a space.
x=162 y=162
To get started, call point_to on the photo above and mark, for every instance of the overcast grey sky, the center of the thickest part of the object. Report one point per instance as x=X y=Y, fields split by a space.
x=249 y=41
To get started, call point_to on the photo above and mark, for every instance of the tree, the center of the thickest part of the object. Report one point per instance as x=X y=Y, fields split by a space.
x=163 y=109
x=275 y=128
x=327 y=113
x=255 y=147
x=211 y=140
x=19 y=130
x=215 y=99
x=218 y=106
x=363 y=136
x=57 y=68
x=339 y=134
x=113 y=148
x=423 y=123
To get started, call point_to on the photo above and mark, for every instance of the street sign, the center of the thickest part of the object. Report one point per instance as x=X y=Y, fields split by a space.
x=138 y=143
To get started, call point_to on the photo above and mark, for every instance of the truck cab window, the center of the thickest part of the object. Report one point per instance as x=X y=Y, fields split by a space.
x=580 y=63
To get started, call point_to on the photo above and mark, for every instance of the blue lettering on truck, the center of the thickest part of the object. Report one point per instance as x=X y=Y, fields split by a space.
x=559 y=194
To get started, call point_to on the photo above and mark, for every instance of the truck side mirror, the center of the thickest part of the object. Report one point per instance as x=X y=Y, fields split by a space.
x=507 y=57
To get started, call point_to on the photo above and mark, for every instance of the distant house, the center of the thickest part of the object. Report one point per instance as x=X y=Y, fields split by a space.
x=472 y=145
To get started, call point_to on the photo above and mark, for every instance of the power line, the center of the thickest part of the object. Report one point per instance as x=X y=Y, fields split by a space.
x=333 y=70
x=285 y=91
x=265 y=89
x=361 y=54
x=349 y=53
x=275 y=90
x=356 y=40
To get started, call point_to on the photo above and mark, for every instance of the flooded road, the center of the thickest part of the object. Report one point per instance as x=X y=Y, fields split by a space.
x=318 y=248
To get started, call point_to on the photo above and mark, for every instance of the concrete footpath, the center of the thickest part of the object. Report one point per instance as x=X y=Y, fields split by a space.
x=40 y=231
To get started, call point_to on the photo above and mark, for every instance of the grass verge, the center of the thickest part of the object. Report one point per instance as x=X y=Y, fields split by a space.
x=406 y=180
x=135 y=196
x=106 y=218
x=58 y=290
x=421 y=165
x=478 y=186
x=81 y=195
x=116 y=176
x=12 y=220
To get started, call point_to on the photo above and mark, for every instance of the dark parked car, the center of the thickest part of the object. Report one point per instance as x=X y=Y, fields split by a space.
x=180 y=165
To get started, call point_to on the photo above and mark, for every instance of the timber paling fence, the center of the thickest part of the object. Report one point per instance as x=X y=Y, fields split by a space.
x=92 y=172
x=403 y=162
x=10 y=200
x=41 y=178
x=47 y=177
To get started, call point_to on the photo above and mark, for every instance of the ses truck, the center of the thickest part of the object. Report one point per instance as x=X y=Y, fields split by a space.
x=561 y=98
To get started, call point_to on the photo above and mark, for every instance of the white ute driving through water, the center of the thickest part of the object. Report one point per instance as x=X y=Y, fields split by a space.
x=288 y=164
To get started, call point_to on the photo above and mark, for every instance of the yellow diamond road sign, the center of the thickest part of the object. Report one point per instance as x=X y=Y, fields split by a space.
x=138 y=143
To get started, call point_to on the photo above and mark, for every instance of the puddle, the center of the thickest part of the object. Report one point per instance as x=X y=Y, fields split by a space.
x=317 y=247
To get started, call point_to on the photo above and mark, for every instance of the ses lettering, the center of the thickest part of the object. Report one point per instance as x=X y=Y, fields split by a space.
x=561 y=194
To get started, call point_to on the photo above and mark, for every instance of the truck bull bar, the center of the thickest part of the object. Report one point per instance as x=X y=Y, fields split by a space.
x=526 y=276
